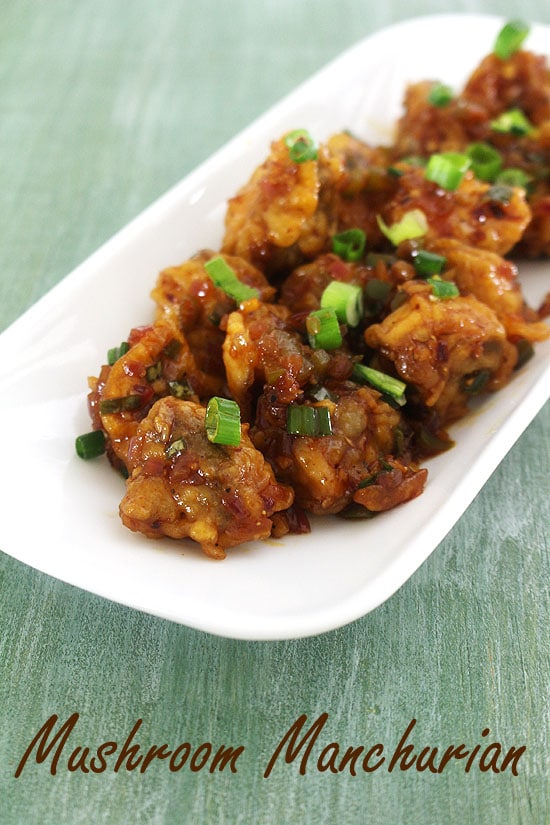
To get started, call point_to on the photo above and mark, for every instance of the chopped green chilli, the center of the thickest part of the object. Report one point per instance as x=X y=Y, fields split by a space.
x=108 y=406
x=117 y=352
x=223 y=422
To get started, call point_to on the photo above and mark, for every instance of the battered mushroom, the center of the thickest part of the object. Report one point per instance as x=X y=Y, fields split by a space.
x=182 y=485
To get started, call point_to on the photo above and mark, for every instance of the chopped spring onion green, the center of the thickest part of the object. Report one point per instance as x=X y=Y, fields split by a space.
x=310 y=421
x=117 y=352
x=512 y=122
x=179 y=389
x=442 y=289
x=223 y=422
x=176 y=447
x=350 y=244
x=510 y=38
x=346 y=300
x=386 y=384
x=440 y=95
x=514 y=177
x=300 y=145
x=226 y=278
x=153 y=372
x=90 y=445
x=428 y=263
x=486 y=160
x=108 y=406
x=413 y=224
x=447 y=169
x=476 y=382
x=323 y=329
x=525 y=352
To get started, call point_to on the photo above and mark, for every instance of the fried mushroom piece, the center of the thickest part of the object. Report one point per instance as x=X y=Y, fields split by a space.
x=448 y=350
x=182 y=485
x=471 y=213
x=494 y=281
x=268 y=215
x=326 y=472
x=158 y=363
x=187 y=298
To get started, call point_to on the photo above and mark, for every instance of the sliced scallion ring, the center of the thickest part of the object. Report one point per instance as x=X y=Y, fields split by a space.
x=350 y=244
x=512 y=122
x=386 y=384
x=443 y=289
x=346 y=300
x=447 y=169
x=510 y=38
x=440 y=95
x=413 y=224
x=223 y=422
x=308 y=421
x=90 y=445
x=226 y=278
x=300 y=145
x=428 y=263
x=486 y=160
x=323 y=329
x=513 y=176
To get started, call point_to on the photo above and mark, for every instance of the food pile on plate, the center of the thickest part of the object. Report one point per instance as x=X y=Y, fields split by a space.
x=361 y=298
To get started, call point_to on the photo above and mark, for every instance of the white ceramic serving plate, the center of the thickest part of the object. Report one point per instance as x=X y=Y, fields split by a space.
x=60 y=514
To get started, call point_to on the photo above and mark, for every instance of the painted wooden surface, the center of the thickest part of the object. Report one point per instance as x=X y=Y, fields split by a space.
x=103 y=105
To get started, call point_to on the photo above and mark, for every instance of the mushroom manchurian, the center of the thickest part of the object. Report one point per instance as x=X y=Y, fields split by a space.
x=361 y=297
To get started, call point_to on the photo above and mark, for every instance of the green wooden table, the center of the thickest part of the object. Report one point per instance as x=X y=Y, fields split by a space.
x=103 y=106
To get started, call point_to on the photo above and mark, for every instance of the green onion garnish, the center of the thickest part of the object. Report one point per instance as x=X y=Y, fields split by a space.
x=486 y=160
x=440 y=95
x=428 y=263
x=323 y=329
x=512 y=122
x=442 y=289
x=117 y=352
x=499 y=193
x=476 y=382
x=300 y=145
x=90 y=445
x=346 y=300
x=223 y=422
x=153 y=372
x=350 y=244
x=311 y=421
x=413 y=224
x=386 y=384
x=225 y=278
x=514 y=177
x=179 y=389
x=447 y=169
x=176 y=447
x=115 y=405
x=510 y=38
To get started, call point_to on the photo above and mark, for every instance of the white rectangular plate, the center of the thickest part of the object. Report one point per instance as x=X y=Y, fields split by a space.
x=60 y=514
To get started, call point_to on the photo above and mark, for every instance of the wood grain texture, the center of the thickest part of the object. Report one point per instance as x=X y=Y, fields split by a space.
x=104 y=105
